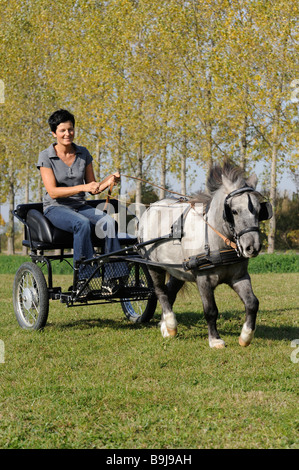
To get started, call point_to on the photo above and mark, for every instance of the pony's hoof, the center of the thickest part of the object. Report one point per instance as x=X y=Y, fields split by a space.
x=166 y=331
x=217 y=344
x=246 y=336
x=172 y=332
x=163 y=329
x=243 y=343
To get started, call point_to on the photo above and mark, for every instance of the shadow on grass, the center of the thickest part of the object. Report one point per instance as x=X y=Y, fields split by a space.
x=229 y=323
x=278 y=332
x=284 y=332
x=188 y=320
x=117 y=324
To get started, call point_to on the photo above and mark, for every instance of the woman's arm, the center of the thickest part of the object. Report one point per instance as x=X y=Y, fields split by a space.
x=91 y=186
x=56 y=192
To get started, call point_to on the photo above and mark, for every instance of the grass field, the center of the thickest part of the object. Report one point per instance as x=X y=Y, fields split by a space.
x=93 y=380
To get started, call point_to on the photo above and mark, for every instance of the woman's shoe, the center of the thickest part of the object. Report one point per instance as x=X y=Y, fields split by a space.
x=110 y=287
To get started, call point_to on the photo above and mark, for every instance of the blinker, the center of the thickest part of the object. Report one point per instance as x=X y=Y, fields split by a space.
x=265 y=212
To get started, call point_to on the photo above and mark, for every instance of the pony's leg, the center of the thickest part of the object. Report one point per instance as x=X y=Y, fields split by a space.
x=210 y=311
x=168 y=322
x=173 y=287
x=243 y=288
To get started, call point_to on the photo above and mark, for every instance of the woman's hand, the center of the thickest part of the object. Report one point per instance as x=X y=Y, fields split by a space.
x=111 y=179
x=93 y=187
x=115 y=178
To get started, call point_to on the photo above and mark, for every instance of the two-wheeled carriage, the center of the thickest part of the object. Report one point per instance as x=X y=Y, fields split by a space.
x=32 y=290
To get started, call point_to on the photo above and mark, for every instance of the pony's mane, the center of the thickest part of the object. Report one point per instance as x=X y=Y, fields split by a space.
x=202 y=198
x=233 y=173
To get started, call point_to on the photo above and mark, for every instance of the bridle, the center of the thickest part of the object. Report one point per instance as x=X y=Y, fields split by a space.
x=227 y=213
x=264 y=213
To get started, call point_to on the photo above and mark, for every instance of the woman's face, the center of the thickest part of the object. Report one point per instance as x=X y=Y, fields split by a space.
x=65 y=133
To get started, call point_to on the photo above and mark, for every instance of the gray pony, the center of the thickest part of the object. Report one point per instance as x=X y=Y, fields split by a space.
x=207 y=240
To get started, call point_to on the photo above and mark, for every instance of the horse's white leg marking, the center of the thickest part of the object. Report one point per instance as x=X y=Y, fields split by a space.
x=216 y=343
x=244 y=290
x=168 y=325
x=246 y=336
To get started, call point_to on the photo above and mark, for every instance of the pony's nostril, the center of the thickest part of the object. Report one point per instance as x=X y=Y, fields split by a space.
x=250 y=249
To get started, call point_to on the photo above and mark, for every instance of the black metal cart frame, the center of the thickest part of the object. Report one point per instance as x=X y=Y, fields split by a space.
x=46 y=243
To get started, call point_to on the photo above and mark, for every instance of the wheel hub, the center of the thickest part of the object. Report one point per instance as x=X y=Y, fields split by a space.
x=29 y=297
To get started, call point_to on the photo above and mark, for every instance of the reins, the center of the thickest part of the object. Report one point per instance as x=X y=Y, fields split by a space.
x=143 y=181
x=226 y=240
x=155 y=185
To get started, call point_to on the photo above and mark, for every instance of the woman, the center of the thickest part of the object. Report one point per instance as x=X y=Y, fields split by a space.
x=67 y=173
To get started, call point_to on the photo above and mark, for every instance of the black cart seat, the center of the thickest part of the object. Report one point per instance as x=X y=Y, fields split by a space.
x=40 y=234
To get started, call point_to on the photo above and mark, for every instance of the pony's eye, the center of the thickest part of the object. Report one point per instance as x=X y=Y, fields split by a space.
x=234 y=212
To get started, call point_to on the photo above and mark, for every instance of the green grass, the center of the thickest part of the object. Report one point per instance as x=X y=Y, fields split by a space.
x=10 y=263
x=264 y=263
x=91 y=379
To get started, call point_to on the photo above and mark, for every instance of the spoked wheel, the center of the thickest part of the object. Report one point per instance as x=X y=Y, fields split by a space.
x=30 y=297
x=140 y=310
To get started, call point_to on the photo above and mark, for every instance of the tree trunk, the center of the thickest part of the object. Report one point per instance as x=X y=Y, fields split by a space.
x=40 y=189
x=26 y=198
x=183 y=167
x=243 y=143
x=139 y=183
x=274 y=152
x=119 y=157
x=163 y=174
x=98 y=166
x=243 y=133
x=208 y=124
x=272 y=224
x=11 y=201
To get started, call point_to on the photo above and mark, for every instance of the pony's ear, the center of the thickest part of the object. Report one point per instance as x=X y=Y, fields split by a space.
x=252 y=181
x=228 y=185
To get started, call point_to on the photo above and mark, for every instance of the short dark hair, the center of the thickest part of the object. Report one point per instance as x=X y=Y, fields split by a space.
x=59 y=116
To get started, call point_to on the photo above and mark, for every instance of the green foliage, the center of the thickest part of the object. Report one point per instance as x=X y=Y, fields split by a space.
x=287 y=223
x=148 y=194
x=154 y=86
x=274 y=263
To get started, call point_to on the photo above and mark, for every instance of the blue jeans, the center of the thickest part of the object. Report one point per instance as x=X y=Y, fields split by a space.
x=79 y=222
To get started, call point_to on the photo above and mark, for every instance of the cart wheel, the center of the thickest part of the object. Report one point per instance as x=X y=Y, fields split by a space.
x=30 y=297
x=140 y=310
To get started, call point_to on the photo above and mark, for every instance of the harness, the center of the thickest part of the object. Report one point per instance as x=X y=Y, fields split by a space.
x=212 y=259
x=209 y=259
x=231 y=255
x=203 y=261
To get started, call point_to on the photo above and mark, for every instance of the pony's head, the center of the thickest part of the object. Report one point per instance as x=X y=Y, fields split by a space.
x=243 y=208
